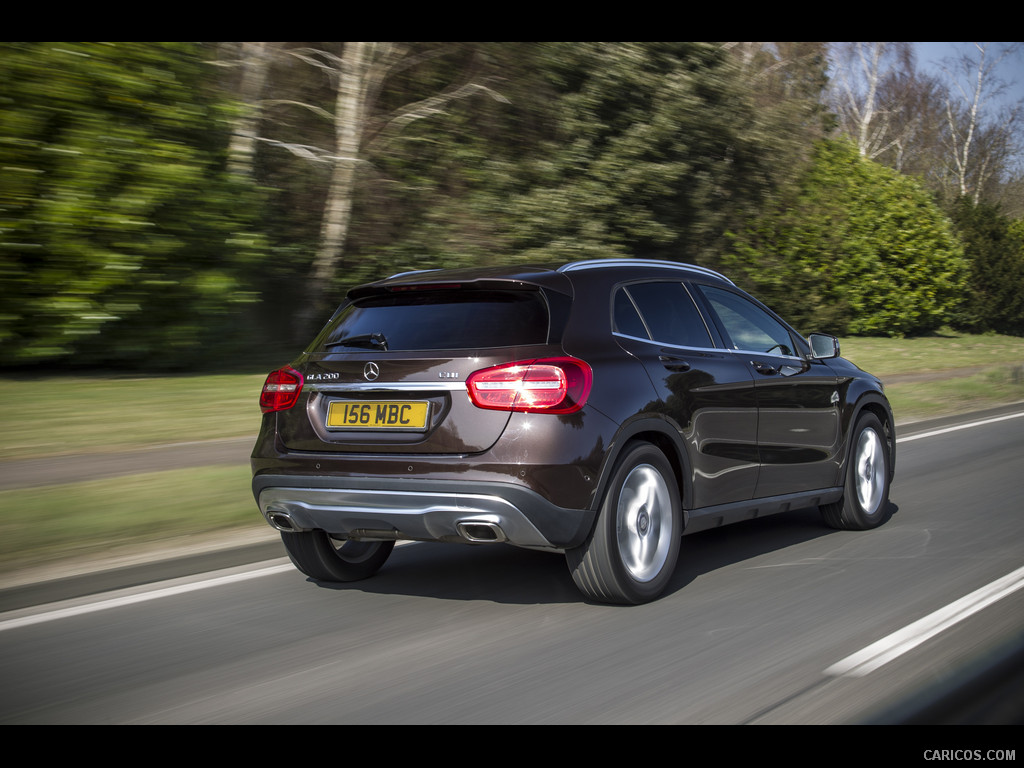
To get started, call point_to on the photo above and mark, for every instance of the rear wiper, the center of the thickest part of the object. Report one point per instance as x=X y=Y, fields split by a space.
x=368 y=340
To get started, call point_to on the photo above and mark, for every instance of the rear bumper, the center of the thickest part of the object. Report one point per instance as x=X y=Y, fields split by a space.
x=419 y=510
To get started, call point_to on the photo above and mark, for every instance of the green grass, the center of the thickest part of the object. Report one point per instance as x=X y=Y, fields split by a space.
x=945 y=351
x=63 y=415
x=913 y=401
x=1000 y=378
x=65 y=521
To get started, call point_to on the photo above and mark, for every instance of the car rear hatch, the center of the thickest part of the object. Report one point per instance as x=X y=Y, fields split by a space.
x=388 y=373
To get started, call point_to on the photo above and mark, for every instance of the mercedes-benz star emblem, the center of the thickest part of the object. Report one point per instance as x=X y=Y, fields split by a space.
x=371 y=371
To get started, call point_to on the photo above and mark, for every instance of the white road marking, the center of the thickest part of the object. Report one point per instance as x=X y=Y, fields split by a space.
x=78 y=608
x=911 y=636
x=958 y=427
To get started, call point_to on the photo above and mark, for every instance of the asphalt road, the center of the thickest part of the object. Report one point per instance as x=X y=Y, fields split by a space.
x=763 y=623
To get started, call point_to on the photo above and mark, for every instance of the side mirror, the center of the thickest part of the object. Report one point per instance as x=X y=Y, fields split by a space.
x=823 y=346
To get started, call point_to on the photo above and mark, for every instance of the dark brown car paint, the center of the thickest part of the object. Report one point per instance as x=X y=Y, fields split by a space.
x=734 y=434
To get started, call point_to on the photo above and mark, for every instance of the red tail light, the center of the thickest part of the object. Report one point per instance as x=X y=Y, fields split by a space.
x=281 y=390
x=551 y=385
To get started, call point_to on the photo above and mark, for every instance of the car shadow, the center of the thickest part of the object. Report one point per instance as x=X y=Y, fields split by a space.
x=710 y=550
x=505 y=574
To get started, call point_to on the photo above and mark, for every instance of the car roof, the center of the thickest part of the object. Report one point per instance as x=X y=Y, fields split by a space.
x=524 y=275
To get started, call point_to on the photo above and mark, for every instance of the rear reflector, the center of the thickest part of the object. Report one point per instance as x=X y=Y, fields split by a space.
x=281 y=390
x=550 y=385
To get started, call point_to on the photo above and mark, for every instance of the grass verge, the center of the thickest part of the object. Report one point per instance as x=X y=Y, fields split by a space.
x=914 y=401
x=952 y=372
x=41 y=525
x=942 y=351
x=64 y=415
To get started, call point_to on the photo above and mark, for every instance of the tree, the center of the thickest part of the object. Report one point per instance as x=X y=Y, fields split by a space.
x=652 y=149
x=893 y=112
x=995 y=247
x=359 y=128
x=124 y=241
x=786 y=83
x=980 y=137
x=916 y=112
x=949 y=131
x=864 y=96
x=253 y=62
x=856 y=248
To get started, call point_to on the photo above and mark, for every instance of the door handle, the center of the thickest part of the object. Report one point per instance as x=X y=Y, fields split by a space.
x=674 y=363
x=763 y=368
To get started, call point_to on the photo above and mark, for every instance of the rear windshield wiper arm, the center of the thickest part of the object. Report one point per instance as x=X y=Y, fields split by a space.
x=368 y=340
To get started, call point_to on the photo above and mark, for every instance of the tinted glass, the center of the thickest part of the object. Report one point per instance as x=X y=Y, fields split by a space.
x=627 y=321
x=460 y=319
x=749 y=326
x=670 y=314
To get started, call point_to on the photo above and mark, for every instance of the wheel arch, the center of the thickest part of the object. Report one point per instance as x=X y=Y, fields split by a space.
x=877 y=404
x=666 y=437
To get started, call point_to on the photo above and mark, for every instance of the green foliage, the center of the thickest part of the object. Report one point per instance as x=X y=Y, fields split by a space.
x=430 y=195
x=854 y=248
x=122 y=239
x=649 y=151
x=994 y=245
x=434 y=195
x=125 y=241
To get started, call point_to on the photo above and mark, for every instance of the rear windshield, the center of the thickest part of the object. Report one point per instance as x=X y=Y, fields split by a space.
x=421 y=320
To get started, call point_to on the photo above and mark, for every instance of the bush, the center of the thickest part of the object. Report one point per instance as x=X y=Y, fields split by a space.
x=994 y=244
x=855 y=248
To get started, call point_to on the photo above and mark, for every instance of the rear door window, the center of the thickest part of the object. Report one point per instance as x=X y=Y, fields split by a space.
x=662 y=312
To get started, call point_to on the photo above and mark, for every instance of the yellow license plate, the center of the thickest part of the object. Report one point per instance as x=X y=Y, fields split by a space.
x=377 y=415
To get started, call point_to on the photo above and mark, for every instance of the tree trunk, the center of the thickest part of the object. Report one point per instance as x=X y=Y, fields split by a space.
x=349 y=123
x=242 y=150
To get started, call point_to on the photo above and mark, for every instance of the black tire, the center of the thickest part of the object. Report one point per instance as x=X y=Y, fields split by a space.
x=325 y=559
x=865 y=501
x=631 y=554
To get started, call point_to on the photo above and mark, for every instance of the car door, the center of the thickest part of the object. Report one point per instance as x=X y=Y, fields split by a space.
x=798 y=432
x=704 y=390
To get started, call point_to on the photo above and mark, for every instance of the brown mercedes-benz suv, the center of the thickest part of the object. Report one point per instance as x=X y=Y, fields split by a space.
x=602 y=410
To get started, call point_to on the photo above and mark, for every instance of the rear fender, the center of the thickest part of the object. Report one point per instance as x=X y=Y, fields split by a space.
x=659 y=431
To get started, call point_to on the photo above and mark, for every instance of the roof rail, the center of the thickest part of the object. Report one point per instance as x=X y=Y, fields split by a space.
x=574 y=266
x=412 y=272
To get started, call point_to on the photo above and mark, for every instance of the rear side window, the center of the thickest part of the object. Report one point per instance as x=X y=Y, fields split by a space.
x=450 y=319
x=667 y=314
x=627 y=319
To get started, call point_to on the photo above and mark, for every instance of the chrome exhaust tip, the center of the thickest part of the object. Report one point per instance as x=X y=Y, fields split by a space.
x=480 y=531
x=282 y=521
